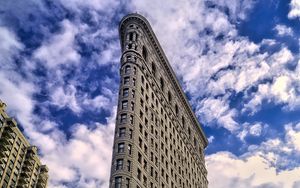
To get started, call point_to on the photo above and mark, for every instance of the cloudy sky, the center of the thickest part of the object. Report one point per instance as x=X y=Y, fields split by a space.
x=238 y=61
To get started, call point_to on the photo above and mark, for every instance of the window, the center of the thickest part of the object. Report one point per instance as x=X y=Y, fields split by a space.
x=132 y=106
x=162 y=83
x=122 y=132
x=123 y=118
x=129 y=149
x=153 y=69
x=169 y=96
x=130 y=133
x=125 y=92
x=145 y=53
x=121 y=147
x=118 y=182
x=140 y=142
x=145 y=164
x=128 y=166
x=126 y=80
x=145 y=180
x=140 y=158
x=131 y=119
x=141 y=128
x=127 y=184
x=139 y=174
x=124 y=105
x=176 y=109
x=183 y=121
x=127 y=69
x=133 y=93
x=134 y=70
x=142 y=79
x=131 y=36
x=119 y=165
x=133 y=81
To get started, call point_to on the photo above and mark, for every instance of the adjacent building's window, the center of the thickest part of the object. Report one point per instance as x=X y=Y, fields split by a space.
x=118 y=182
x=121 y=147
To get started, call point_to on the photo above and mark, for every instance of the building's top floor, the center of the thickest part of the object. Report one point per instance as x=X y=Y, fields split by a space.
x=139 y=25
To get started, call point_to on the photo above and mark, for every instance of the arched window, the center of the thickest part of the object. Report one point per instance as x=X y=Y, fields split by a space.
x=153 y=69
x=144 y=53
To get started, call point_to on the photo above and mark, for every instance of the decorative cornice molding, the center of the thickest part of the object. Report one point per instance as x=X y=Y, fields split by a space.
x=142 y=21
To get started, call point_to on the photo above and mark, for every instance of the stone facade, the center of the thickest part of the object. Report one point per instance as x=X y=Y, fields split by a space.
x=20 y=165
x=158 y=142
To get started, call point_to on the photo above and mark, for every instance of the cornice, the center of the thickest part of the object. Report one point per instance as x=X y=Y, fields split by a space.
x=142 y=21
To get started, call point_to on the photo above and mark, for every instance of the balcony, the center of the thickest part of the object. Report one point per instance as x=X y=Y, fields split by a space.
x=29 y=162
x=4 y=154
x=5 y=141
x=23 y=180
x=25 y=174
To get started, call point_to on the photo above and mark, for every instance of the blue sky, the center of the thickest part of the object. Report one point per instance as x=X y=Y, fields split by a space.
x=237 y=61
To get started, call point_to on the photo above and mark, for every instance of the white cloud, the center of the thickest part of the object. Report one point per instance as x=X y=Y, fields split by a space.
x=250 y=130
x=60 y=48
x=87 y=156
x=98 y=5
x=295 y=9
x=283 y=30
x=216 y=109
x=245 y=172
x=65 y=97
x=261 y=166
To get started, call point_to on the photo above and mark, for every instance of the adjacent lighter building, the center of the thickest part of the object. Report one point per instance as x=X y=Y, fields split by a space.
x=20 y=166
x=158 y=141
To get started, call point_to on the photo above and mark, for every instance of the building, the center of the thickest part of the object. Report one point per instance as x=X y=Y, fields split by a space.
x=158 y=141
x=20 y=165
